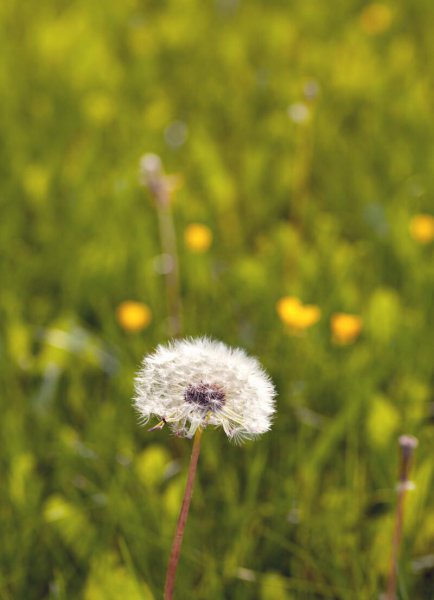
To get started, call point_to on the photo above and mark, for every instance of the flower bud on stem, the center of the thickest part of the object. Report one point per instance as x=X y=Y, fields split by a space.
x=407 y=444
x=152 y=177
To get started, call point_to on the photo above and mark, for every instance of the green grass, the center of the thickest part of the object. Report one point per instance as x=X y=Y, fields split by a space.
x=319 y=210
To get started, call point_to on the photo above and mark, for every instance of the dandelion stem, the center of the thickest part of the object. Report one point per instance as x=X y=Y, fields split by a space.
x=182 y=519
x=407 y=444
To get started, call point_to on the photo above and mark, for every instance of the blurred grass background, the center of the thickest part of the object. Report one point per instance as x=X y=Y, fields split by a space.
x=302 y=135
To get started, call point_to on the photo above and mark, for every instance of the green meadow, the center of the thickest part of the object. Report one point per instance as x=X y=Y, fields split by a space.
x=300 y=135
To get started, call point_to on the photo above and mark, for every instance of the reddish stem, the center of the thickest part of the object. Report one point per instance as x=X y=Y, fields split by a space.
x=407 y=444
x=182 y=519
x=396 y=543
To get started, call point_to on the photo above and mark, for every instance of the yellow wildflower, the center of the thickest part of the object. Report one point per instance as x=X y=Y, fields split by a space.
x=198 y=237
x=345 y=328
x=297 y=315
x=422 y=228
x=310 y=314
x=133 y=316
x=375 y=18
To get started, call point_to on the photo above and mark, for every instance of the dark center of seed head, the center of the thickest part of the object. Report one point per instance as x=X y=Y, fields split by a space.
x=206 y=395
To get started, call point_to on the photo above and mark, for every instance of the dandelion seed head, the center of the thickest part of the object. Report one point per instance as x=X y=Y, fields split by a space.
x=408 y=442
x=201 y=382
x=150 y=166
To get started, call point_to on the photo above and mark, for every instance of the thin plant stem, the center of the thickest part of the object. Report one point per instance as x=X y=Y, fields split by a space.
x=182 y=519
x=407 y=444
x=168 y=246
x=159 y=185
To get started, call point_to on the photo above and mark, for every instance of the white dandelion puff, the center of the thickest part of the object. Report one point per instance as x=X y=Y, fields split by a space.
x=193 y=383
